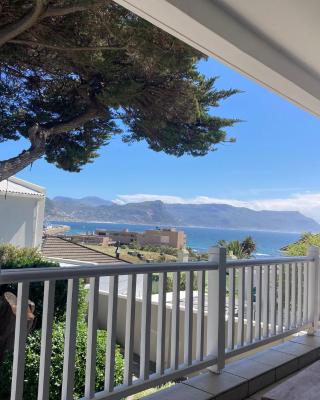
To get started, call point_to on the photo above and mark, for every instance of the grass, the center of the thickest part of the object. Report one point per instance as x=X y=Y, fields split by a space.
x=111 y=251
x=149 y=391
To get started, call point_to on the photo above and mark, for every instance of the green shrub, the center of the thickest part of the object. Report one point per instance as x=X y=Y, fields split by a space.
x=171 y=251
x=33 y=362
x=24 y=257
x=12 y=257
x=300 y=248
x=58 y=336
x=169 y=282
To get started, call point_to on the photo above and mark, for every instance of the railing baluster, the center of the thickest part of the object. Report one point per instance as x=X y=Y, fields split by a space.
x=231 y=308
x=241 y=287
x=280 y=299
x=92 y=338
x=249 y=273
x=258 y=311
x=161 y=325
x=46 y=340
x=111 y=333
x=129 y=338
x=145 y=327
x=175 y=321
x=275 y=281
x=70 y=340
x=293 y=295
x=273 y=294
x=299 y=306
x=305 y=291
x=265 y=299
x=287 y=297
x=200 y=315
x=20 y=337
x=188 y=318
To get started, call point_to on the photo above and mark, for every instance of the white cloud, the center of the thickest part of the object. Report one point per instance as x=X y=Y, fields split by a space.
x=306 y=203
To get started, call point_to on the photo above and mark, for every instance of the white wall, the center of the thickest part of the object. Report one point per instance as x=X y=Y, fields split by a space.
x=121 y=326
x=21 y=220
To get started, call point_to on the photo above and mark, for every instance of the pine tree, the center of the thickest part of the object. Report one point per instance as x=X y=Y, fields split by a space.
x=75 y=73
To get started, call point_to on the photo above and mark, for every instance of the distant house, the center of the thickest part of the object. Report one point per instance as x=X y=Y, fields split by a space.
x=164 y=237
x=21 y=212
x=157 y=237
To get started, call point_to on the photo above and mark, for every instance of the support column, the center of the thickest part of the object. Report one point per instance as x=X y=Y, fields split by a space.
x=313 y=289
x=216 y=308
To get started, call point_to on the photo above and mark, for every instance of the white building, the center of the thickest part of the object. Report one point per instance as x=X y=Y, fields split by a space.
x=21 y=212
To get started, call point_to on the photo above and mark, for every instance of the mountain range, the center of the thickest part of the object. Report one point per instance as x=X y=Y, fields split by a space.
x=89 y=209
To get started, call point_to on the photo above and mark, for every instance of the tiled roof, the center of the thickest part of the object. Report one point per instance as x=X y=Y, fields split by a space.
x=18 y=186
x=57 y=247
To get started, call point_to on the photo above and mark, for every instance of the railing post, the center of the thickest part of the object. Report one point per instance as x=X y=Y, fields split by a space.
x=183 y=255
x=313 y=289
x=216 y=308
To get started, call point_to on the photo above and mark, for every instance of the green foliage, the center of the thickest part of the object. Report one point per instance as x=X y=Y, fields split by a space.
x=145 y=85
x=300 y=248
x=150 y=391
x=182 y=286
x=239 y=249
x=171 y=251
x=16 y=257
x=248 y=246
x=33 y=360
x=12 y=257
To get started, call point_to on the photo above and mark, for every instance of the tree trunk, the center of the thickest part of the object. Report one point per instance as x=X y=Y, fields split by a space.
x=13 y=165
x=13 y=30
x=38 y=136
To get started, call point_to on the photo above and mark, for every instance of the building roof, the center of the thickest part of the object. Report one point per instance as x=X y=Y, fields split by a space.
x=18 y=187
x=60 y=248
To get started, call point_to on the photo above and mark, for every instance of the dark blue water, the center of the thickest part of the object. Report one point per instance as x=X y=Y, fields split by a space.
x=268 y=243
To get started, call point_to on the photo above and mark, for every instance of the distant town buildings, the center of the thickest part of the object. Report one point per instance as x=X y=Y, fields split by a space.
x=156 y=237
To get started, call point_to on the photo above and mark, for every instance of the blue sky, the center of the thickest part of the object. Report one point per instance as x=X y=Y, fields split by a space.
x=274 y=164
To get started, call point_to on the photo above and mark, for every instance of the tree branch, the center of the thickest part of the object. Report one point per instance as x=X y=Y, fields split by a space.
x=60 y=48
x=93 y=111
x=13 y=30
x=15 y=164
x=38 y=136
x=61 y=11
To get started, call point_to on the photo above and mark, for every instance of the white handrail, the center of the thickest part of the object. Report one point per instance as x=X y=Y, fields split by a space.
x=251 y=321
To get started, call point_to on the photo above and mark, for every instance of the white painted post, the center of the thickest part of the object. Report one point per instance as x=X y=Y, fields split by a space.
x=313 y=289
x=216 y=308
x=183 y=255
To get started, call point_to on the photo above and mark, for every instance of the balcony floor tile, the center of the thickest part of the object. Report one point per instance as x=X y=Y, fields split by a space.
x=293 y=348
x=259 y=375
x=251 y=376
x=285 y=364
x=221 y=386
x=311 y=341
x=180 y=392
x=305 y=354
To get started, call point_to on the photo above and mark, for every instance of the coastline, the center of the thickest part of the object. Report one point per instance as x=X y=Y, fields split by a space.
x=178 y=226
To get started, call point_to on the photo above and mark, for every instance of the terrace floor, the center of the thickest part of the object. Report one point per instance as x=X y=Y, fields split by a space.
x=250 y=377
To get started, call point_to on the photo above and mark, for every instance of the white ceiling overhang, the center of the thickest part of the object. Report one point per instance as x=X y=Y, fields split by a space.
x=274 y=42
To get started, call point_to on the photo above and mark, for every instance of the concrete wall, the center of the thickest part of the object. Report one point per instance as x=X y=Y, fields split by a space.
x=21 y=220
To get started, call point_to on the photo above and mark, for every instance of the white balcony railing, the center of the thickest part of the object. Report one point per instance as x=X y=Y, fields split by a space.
x=241 y=304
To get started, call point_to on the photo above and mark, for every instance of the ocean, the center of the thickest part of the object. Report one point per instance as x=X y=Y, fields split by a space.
x=268 y=243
